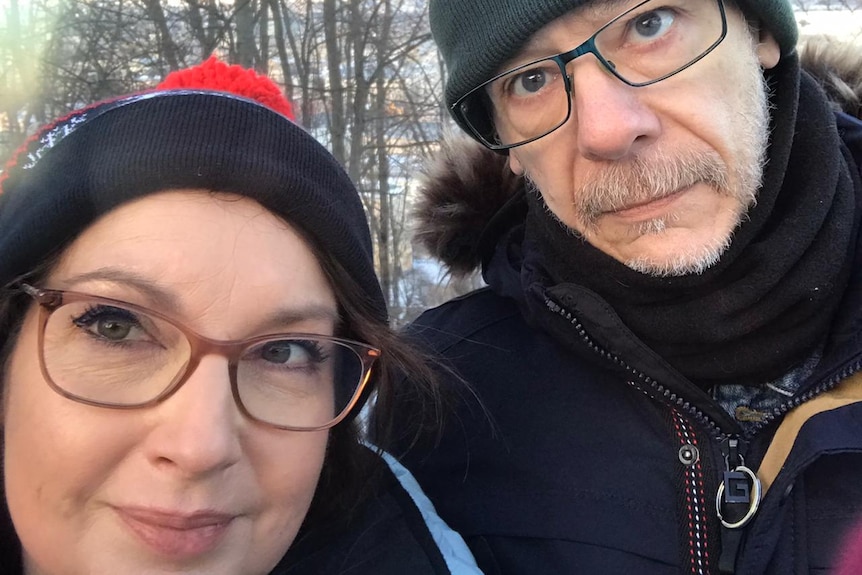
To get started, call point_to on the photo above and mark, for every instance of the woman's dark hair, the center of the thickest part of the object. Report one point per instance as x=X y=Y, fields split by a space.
x=349 y=475
x=13 y=307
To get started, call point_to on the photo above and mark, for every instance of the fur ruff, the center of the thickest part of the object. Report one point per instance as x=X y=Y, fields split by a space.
x=462 y=186
x=838 y=69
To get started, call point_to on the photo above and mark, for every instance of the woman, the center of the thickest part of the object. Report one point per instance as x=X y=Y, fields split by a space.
x=190 y=324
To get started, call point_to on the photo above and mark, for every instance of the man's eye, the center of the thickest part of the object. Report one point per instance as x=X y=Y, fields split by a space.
x=529 y=82
x=651 y=25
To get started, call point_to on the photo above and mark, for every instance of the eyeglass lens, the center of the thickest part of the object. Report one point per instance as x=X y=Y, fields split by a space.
x=648 y=42
x=123 y=356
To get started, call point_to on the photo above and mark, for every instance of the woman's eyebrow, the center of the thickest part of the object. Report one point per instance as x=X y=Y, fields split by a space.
x=291 y=315
x=158 y=297
x=154 y=293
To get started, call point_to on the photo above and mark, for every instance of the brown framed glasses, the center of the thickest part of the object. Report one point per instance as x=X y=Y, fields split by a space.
x=110 y=353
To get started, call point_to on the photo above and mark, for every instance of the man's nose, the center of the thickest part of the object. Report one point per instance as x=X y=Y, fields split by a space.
x=611 y=120
x=197 y=429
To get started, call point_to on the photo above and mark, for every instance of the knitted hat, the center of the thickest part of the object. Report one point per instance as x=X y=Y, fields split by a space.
x=212 y=127
x=476 y=37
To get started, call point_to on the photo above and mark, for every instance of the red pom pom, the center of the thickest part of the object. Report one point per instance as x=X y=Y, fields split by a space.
x=216 y=75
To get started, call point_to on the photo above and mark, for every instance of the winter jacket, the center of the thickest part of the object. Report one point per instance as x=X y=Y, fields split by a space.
x=395 y=532
x=567 y=456
x=851 y=553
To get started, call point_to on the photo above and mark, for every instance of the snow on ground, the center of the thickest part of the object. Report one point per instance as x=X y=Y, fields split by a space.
x=844 y=24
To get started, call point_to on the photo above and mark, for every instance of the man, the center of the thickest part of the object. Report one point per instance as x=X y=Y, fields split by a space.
x=662 y=374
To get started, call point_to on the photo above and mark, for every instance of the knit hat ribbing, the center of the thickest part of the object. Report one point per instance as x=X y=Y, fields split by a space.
x=476 y=37
x=91 y=161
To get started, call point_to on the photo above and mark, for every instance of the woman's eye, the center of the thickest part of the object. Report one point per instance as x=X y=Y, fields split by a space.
x=110 y=323
x=652 y=25
x=114 y=329
x=291 y=353
x=279 y=352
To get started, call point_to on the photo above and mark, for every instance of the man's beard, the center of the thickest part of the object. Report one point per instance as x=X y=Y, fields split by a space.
x=620 y=184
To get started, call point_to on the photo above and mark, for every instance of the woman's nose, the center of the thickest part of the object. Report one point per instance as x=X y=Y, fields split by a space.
x=197 y=429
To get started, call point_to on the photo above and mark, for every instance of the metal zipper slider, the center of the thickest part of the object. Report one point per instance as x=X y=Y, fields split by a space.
x=739 y=486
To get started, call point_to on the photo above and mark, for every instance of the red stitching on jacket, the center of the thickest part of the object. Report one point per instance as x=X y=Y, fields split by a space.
x=694 y=499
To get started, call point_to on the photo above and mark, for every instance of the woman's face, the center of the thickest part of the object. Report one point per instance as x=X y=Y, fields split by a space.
x=189 y=485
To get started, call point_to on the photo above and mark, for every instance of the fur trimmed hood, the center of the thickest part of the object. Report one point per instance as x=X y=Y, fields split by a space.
x=464 y=185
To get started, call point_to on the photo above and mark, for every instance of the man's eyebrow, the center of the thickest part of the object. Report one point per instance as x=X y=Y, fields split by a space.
x=606 y=10
x=611 y=8
x=600 y=12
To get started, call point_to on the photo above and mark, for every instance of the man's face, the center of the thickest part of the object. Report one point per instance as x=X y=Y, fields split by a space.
x=658 y=177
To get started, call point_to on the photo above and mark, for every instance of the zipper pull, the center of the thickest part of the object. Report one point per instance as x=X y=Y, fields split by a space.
x=736 y=502
x=738 y=496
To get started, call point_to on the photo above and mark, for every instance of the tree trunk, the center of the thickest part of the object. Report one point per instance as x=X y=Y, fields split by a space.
x=245 y=48
x=167 y=46
x=337 y=123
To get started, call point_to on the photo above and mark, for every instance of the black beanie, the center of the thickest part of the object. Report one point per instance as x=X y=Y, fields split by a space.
x=85 y=164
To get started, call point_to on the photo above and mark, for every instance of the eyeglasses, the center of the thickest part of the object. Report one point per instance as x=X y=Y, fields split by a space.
x=110 y=353
x=647 y=43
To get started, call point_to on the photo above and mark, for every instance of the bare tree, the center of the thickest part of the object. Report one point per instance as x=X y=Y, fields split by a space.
x=363 y=75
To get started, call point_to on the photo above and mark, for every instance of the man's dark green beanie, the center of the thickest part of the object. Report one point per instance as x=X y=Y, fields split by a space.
x=476 y=37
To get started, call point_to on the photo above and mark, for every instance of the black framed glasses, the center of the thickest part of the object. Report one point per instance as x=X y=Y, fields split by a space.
x=110 y=353
x=648 y=42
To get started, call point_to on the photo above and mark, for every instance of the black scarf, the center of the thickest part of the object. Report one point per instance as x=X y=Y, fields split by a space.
x=769 y=301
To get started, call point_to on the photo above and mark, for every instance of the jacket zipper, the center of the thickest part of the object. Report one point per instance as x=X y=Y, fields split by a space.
x=653 y=388
x=670 y=398
x=732 y=447
x=822 y=387
x=735 y=472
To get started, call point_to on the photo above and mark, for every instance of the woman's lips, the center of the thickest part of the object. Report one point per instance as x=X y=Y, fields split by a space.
x=177 y=535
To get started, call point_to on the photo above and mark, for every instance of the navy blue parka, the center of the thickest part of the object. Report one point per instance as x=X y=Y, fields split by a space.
x=576 y=449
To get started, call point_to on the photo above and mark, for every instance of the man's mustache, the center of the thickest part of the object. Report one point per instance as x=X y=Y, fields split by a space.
x=615 y=186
